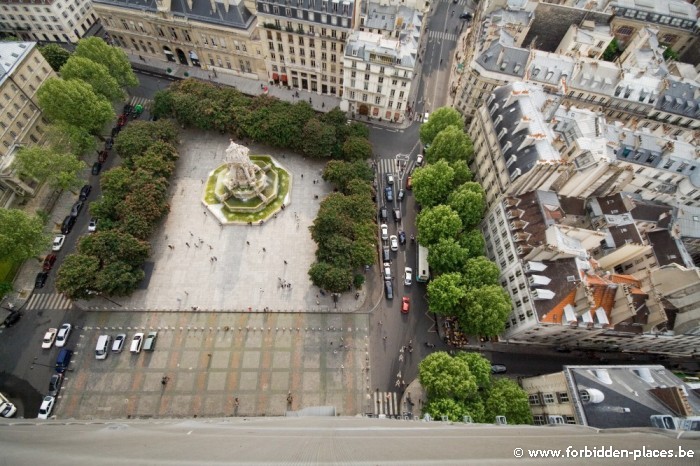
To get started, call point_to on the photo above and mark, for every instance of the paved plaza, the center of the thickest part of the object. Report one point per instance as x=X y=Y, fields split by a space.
x=213 y=358
x=251 y=262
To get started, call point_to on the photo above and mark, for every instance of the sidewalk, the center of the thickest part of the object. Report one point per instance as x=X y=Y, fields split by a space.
x=319 y=102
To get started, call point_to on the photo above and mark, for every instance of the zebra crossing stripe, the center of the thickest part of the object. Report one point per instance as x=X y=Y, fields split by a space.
x=48 y=301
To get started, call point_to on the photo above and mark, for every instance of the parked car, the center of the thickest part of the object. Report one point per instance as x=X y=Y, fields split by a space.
x=49 y=261
x=150 y=343
x=58 y=242
x=388 y=289
x=409 y=183
x=389 y=194
x=386 y=254
x=389 y=178
x=115 y=131
x=40 y=280
x=109 y=143
x=426 y=117
x=408 y=276
x=96 y=168
x=402 y=237
x=400 y=196
x=77 y=207
x=12 y=318
x=405 y=305
x=387 y=271
x=92 y=226
x=46 y=407
x=394 y=243
x=67 y=225
x=465 y=15
x=49 y=338
x=118 y=344
x=136 y=343
x=63 y=333
x=104 y=342
x=102 y=156
x=383 y=214
x=385 y=231
x=63 y=360
x=55 y=384
x=85 y=192
x=121 y=121
x=419 y=160
x=397 y=215
x=498 y=368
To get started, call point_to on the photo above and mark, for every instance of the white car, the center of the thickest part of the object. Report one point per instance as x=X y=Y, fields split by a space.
x=425 y=117
x=419 y=160
x=394 y=243
x=118 y=345
x=49 y=338
x=387 y=271
x=62 y=336
x=46 y=407
x=92 y=226
x=408 y=276
x=385 y=231
x=58 y=242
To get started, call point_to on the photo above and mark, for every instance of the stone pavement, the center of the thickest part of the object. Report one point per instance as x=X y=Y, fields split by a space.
x=213 y=358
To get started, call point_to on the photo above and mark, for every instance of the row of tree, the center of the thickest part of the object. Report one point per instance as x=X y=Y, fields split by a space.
x=134 y=199
x=462 y=385
x=294 y=126
x=344 y=229
x=465 y=283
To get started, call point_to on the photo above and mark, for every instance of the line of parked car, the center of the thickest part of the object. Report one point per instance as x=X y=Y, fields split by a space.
x=138 y=342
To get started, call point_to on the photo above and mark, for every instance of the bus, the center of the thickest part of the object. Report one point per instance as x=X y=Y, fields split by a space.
x=422 y=272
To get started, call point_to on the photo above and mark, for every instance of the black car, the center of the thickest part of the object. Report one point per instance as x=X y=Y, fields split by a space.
x=109 y=143
x=402 y=237
x=116 y=130
x=386 y=254
x=389 y=289
x=55 y=384
x=382 y=213
x=389 y=193
x=77 y=207
x=40 y=279
x=85 y=192
x=67 y=225
x=465 y=15
x=12 y=318
x=96 y=168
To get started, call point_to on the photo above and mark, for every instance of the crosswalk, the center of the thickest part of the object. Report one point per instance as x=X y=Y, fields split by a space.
x=459 y=2
x=442 y=35
x=386 y=403
x=48 y=301
x=146 y=103
x=391 y=166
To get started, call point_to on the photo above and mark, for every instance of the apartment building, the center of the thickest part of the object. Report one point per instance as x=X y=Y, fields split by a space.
x=305 y=42
x=216 y=35
x=46 y=20
x=613 y=396
x=22 y=71
x=588 y=40
x=379 y=73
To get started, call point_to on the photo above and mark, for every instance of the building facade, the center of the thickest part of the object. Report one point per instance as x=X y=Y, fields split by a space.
x=23 y=70
x=47 y=20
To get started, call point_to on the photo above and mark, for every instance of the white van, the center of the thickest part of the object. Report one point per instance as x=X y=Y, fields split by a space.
x=7 y=409
x=136 y=343
x=102 y=348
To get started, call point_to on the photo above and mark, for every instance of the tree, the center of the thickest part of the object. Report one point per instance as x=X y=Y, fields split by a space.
x=94 y=74
x=357 y=148
x=432 y=183
x=445 y=293
x=439 y=407
x=55 y=55
x=478 y=272
x=506 y=398
x=139 y=135
x=113 y=58
x=485 y=310
x=21 y=235
x=611 y=51
x=75 y=103
x=446 y=256
x=341 y=173
x=479 y=366
x=114 y=246
x=451 y=144
x=331 y=278
x=439 y=120
x=462 y=173
x=66 y=138
x=669 y=53
x=318 y=139
x=443 y=376
x=473 y=241
x=42 y=163
x=469 y=201
x=76 y=277
x=118 y=279
x=437 y=223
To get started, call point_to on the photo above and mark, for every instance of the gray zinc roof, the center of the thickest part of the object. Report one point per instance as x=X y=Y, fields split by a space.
x=681 y=97
x=504 y=59
x=12 y=53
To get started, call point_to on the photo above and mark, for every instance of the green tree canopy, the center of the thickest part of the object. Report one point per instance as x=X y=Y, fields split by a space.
x=443 y=376
x=439 y=120
x=473 y=241
x=318 y=139
x=447 y=256
x=432 y=183
x=485 y=311
x=462 y=173
x=75 y=103
x=439 y=407
x=331 y=278
x=445 y=293
x=341 y=173
x=113 y=58
x=357 y=148
x=479 y=366
x=44 y=164
x=118 y=279
x=437 y=223
x=76 y=277
x=21 y=235
x=139 y=135
x=469 y=201
x=451 y=144
x=66 y=138
x=94 y=74
x=479 y=271
x=114 y=246
x=55 y=55
x=506 y=398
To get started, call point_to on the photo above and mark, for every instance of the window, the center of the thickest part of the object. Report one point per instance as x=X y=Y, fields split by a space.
x=534 y=400
x=548 y=398
x=563 y=397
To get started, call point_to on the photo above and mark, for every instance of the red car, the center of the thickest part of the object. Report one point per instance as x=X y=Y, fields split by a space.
x=405 y=305
x=102 y=158
x=409 y=185
x=48 y=262
x=122 y=120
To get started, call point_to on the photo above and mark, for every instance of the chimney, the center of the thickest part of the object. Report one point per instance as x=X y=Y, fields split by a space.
x=189 y=4
x=213 y=5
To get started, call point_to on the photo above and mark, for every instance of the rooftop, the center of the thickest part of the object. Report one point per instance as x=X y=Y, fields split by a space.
x=687 y=222
x=366 y=45
x=674 y=8
x=11 y=54
x=665 y=248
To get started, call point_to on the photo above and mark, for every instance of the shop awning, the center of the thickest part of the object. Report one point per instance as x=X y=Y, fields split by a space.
x=275 y=77
x=284 y=78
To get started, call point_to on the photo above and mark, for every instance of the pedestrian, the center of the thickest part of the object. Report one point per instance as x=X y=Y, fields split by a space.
x=285 y=262
x=261 y=85
x=384 y=338
x=191 y=234
x=235 y=402
x=210 y=248
x=187 y=293
x=205 y=213
x=187 y=244
x=302 y=176
x=215 y=259
x=211 y=259
x=248 y=243
x=323 y=105
x=196 y=245
x=264 y=250
x=309 y=100
x=380 y=322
